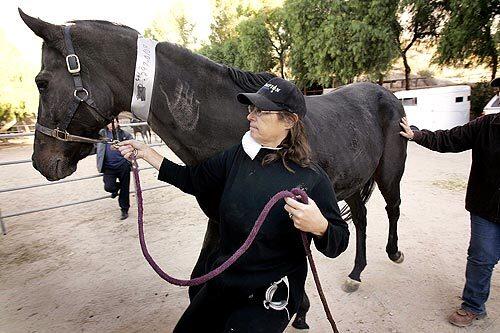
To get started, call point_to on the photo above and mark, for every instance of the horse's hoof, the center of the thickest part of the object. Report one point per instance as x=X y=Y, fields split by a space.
x=397 y=257
x=300 y=323
x=350 y=285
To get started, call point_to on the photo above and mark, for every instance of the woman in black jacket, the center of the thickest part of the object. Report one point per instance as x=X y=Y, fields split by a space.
x=273 y=156
x=482 y=135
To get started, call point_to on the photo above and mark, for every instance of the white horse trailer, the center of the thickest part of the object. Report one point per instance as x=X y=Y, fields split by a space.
x=493 y=105
x=436 y=108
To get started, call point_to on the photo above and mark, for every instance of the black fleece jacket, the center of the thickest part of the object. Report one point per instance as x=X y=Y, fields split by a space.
x=239 y=188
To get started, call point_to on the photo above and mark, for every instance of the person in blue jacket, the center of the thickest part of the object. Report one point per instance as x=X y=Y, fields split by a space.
x=115 y=168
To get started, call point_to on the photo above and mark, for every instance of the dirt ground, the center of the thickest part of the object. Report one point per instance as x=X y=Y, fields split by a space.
x=80 y=269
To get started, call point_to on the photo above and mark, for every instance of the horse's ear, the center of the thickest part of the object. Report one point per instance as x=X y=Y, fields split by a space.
x=50 y=33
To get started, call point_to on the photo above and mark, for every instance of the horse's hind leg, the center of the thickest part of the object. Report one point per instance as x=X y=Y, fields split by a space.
x=388 y=178
x=391 y=193
x=208 y=249
x=300 y=317
x=358 y=211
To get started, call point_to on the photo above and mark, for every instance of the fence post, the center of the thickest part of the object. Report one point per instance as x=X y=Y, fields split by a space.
x=4 y=231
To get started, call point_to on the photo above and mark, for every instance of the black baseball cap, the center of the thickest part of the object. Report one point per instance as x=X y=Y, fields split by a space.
x=276 y=95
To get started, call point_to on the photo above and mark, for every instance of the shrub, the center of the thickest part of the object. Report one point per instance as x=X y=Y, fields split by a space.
x=481 y=93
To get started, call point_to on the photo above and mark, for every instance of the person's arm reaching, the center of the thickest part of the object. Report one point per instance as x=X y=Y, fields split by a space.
x=454 y=140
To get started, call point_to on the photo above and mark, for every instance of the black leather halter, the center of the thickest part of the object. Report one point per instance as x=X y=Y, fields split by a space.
x=80 y=95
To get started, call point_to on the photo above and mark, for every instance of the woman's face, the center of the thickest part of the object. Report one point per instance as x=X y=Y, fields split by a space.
x=267 y=128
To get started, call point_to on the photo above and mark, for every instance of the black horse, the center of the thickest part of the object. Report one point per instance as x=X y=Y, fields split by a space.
x=353 y=131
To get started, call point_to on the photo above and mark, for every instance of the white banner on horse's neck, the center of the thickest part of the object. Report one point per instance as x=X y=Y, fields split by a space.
x=144 y=77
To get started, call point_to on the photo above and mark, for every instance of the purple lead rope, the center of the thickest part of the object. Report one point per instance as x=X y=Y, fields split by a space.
x=296 y=192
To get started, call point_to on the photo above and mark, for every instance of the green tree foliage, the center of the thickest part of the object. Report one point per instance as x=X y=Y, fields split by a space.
x=225 y=52
x=471 y=35
x=185 y=29
x=155 y=31
x=254 y=44
x=279 y=34
x=335 y=41
x=10 y=114
x=250 y=35
x=174 y=27
x=18 y=94
x=263 y=41
x=223 y=41
x=418 y=21
x=481 y=93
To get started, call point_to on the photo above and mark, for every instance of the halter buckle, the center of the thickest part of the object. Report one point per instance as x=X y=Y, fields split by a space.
x=73 y=63
x=60 y=135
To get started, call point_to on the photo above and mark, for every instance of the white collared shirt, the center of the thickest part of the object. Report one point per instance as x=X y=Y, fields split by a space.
x=252 y=147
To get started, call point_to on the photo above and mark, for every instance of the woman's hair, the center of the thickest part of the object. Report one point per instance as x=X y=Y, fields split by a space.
x=294 y=147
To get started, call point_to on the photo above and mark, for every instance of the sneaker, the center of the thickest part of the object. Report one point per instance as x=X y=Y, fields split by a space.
x=114 y=194
x=124 y=215
x=464 y=318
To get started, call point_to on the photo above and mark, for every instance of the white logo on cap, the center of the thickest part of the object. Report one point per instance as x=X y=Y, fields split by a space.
x=272 y=87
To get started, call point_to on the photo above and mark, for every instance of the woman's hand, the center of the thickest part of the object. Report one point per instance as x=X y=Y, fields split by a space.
x=129 y=148
x=307 y=218
x=407 y=133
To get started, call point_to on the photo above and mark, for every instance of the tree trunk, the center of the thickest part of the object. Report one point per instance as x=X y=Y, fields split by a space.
x=494 y=64
x=380 y=79
x=282 y=66
x=407 y=71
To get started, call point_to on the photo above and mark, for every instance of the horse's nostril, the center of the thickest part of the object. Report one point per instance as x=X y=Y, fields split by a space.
x=57 y=165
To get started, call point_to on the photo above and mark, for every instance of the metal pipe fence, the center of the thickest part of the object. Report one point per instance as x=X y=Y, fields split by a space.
x=15 y=162
x=24 y=187
x=29 y=160
x=16 y=135
x=36 y=210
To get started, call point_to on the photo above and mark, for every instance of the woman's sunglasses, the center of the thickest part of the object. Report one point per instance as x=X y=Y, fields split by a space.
x=258 y=112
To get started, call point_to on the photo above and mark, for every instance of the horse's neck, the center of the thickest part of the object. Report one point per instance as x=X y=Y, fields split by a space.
x=194 y=109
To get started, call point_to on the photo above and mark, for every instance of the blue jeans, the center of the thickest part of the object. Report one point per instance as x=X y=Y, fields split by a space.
x=483 y=255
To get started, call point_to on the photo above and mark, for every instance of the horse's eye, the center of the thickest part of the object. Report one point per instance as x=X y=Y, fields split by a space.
x=42 y=85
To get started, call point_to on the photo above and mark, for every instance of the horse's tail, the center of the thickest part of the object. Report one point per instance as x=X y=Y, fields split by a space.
x=366 y=193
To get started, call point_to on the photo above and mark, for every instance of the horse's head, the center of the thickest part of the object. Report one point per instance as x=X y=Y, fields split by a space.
x=106 y=73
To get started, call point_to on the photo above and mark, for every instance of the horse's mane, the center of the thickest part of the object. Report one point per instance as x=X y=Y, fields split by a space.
x=103 y=22
x=248 y=81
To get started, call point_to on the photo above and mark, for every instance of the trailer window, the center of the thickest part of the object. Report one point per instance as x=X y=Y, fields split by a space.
x=459 y=99
x=409 y=101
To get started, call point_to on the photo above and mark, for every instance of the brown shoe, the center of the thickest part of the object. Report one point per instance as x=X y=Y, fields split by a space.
x=463 y=318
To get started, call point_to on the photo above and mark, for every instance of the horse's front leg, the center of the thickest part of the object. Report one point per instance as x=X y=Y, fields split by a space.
x=206 y=258
x=300 y=317
x=358 y=211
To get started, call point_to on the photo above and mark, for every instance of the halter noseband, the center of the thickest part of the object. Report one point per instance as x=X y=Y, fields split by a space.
x=80 y=94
